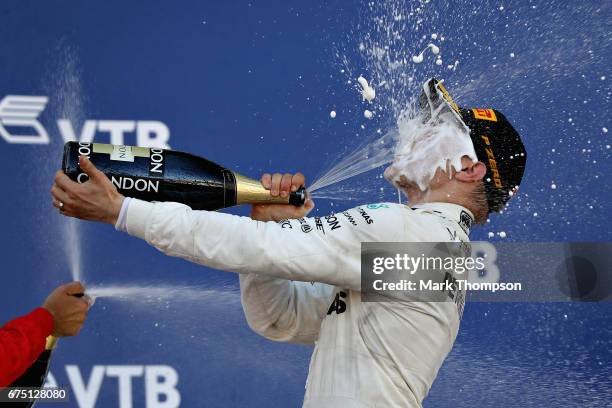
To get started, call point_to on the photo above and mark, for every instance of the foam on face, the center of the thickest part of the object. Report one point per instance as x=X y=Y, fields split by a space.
x=422 y=149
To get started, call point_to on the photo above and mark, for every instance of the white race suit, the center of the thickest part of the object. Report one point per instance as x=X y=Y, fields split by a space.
x=300 y=282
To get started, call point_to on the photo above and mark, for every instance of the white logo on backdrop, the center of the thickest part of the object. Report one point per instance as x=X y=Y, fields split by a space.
x=159 y=384
x=20 y=114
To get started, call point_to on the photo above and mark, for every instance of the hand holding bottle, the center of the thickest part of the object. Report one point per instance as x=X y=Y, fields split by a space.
x=69 y=312
x=95 y=200
x=281 y=186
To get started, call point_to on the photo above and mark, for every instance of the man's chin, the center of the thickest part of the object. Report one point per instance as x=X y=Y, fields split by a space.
x=389 y=174
x=401 y=182
x=408 y=187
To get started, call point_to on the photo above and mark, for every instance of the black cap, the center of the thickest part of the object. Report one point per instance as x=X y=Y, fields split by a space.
x=496 y=143
x=298 y=197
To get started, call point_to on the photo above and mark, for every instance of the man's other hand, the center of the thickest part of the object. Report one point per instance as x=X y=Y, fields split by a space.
x=69 y=312
x=281 y=186
x=95 y=200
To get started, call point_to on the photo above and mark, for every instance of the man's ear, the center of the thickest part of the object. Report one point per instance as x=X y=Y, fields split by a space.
x=472 y=173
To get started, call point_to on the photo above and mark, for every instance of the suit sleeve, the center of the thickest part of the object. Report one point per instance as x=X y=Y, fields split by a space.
x=325 y=249
x=21 y=342
x=284 y=310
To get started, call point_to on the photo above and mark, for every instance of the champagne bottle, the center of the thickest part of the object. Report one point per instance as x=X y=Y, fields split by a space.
x=35 y=375
x=166 y=175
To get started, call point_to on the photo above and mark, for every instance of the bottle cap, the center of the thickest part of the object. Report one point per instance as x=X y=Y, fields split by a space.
x=298 y=197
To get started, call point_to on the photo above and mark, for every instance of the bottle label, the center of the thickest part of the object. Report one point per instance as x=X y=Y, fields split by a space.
x=122 y=153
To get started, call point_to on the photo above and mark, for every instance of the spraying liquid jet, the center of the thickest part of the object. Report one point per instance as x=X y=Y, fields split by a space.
x=156 y=294
x=365 y=158
x=429 y=135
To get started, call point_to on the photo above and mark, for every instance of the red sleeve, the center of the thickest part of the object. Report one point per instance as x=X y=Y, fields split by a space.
x=21 y=341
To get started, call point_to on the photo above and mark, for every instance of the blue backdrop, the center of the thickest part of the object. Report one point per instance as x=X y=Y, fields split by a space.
x=250 y=85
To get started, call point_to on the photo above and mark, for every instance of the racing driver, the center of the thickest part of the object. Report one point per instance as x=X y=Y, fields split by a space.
x=300 y=277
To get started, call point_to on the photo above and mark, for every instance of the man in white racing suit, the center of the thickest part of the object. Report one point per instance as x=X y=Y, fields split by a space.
x=367 y=354
x=300 y=278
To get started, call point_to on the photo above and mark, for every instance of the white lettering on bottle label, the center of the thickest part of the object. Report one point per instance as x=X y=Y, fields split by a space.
x=128 y=183
x=122 y=153
x=82 y=178
x=85 y=149
x=156 y=162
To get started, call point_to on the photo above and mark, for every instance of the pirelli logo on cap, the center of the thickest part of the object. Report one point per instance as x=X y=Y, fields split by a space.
x=485 y=114
x=492 y=162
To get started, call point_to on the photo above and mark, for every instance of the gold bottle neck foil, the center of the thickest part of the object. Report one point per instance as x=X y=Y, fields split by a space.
x=51 y=342
x=250 y=191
